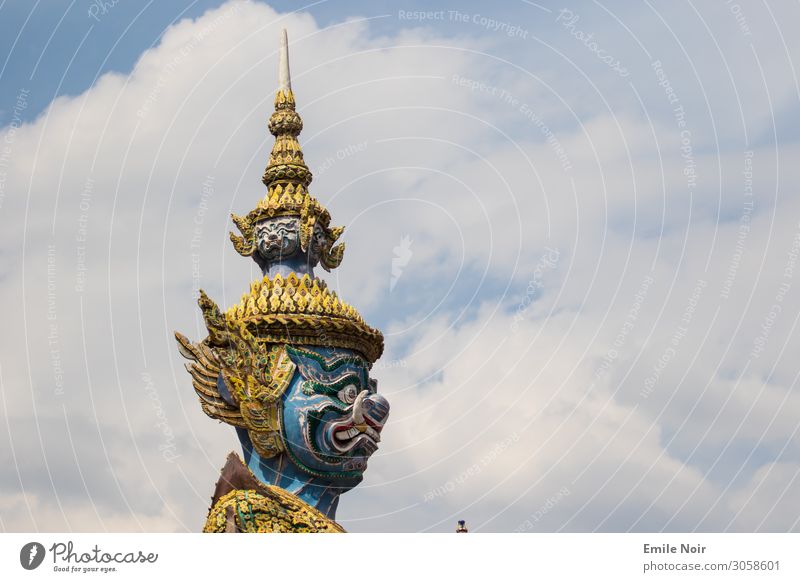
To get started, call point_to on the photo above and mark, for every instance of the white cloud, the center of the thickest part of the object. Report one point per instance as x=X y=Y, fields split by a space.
x=492 y=417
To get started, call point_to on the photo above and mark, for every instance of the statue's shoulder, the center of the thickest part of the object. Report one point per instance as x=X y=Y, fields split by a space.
x=242 y=504
x=250 y=511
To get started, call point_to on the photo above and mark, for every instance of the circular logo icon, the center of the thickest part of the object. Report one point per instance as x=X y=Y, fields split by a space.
x=31 y=555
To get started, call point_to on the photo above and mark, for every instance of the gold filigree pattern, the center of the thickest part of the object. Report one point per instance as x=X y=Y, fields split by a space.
x=273 y=511
x=302 y=311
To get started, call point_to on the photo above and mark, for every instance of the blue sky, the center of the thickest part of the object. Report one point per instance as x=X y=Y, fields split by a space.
x=594 y=321
x=60 y=47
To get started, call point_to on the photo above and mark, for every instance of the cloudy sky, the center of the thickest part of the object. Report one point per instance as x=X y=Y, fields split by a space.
x=576 y=223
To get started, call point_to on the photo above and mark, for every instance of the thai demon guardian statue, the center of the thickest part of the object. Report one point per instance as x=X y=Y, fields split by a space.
x=289 y=365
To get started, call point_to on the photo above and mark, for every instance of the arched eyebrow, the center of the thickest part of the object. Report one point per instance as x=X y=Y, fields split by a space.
x=327 y=364
x=333 y=379
x=332 y=388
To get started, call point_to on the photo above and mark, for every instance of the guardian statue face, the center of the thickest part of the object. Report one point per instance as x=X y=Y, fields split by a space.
x=332 y=415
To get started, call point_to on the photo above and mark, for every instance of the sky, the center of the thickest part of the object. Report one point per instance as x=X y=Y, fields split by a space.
x=576 y=224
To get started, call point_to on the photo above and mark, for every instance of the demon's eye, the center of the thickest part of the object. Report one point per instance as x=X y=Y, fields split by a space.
x=348 y=394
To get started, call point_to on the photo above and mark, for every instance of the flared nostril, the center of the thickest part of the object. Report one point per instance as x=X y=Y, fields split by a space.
x=377 y=410
x=379 y=400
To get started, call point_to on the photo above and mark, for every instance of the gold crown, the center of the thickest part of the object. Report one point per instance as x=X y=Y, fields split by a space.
x=297 y=310
x=287 y=178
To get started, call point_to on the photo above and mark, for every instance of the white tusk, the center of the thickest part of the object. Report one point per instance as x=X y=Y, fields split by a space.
x=358 y=405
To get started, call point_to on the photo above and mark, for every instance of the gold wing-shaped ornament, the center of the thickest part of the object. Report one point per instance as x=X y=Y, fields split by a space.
x=255 y=374
x=205 y=370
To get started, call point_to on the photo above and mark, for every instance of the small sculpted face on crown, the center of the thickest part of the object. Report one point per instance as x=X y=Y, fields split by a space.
x=319 y=244
x=278 y=238
x=332 y=414
x=281 y=239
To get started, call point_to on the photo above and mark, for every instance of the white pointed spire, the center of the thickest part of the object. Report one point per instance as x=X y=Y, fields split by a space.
x=284 y=79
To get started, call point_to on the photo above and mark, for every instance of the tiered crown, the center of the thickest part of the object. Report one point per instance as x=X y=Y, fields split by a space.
x=287 y=178
x=298 y=311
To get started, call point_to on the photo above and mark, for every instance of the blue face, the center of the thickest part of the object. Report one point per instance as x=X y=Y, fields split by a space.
x=332 y=414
